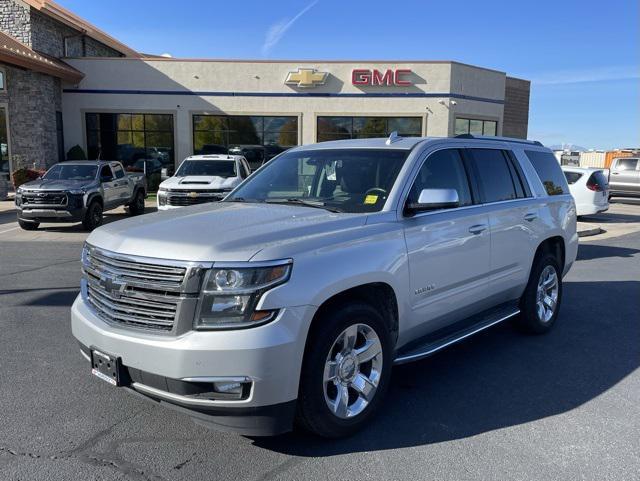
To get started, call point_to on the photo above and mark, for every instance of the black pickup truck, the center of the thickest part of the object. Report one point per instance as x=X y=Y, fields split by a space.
x=79 y=191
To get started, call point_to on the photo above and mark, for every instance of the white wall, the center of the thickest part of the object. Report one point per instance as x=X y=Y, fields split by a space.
x=180 y=77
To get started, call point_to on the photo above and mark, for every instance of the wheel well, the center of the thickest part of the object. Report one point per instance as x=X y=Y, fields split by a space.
x=95 y=198
x=378 y=294
x=555 y=246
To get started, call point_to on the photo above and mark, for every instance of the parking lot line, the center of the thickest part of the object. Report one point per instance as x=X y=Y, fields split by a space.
x=8 y=230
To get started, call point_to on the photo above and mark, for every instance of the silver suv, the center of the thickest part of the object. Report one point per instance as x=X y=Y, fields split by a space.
x=292 y=298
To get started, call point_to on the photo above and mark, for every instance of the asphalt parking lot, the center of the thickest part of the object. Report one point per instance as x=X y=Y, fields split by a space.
x=498 y=406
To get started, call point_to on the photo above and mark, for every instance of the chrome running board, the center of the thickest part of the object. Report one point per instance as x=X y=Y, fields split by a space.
x=432 y=346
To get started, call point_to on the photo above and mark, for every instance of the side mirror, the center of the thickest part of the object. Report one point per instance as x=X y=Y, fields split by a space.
x=433 y=199
x=164 y=173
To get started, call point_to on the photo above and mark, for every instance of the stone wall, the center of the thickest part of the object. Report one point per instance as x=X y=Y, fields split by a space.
x=15 y=20
x=93 y=48
x=47 y=35
x=516 y=108
x=33 y=100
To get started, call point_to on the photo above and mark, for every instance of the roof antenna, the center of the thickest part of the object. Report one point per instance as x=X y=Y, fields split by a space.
x=393 y=137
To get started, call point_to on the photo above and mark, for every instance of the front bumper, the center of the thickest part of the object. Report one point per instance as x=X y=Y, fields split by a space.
x=39 y=214
x=269 y=356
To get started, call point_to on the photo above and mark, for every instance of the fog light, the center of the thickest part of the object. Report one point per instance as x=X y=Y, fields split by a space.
x=228 y=387
x=162 y=199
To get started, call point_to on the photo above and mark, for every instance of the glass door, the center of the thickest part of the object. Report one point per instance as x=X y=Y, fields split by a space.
x=5 y=169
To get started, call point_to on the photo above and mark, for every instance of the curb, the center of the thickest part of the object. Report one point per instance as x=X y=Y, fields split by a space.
x=586 y=230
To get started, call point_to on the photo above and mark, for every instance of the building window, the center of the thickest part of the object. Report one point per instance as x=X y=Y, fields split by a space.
x=2 y=80
x=142 y=142
x=5 y=163
x=338 y=128
x=258 y=138
x=60 y=136
x=476 y=127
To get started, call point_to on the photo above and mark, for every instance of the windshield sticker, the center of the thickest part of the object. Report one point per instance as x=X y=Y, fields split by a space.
x=371 y=199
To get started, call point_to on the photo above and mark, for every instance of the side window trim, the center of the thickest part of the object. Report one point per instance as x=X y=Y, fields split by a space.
x=513 y=161
x=517 y=183
x=472 y=177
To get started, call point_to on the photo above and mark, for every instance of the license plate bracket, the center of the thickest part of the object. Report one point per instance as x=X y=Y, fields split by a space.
x=106 y=367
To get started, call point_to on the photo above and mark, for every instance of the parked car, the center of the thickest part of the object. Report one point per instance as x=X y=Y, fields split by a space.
x=201 y=179
x=590 y=189
x=293 y=297
x=79 y=191
x=624 y=177
x=256 y=155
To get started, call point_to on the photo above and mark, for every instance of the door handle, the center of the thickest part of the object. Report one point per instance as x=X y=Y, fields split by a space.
x=478 y=228
x=615 y=173
x=531 y=216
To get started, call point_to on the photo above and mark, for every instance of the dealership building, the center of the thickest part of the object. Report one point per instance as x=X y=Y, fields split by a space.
x=63 y=83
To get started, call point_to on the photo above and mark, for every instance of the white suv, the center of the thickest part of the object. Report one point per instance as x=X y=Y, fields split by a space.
x=293 y=297
x=201 y=179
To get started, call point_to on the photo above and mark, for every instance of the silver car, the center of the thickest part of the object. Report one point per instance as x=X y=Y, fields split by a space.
x=292 y=298
x=624 y=177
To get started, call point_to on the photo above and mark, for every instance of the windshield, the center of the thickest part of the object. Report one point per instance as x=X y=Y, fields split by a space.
x=219 y=168
x=71 y=172
x=346 y=180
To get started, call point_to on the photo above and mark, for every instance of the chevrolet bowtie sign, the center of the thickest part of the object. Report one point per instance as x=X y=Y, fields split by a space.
x=306 y=77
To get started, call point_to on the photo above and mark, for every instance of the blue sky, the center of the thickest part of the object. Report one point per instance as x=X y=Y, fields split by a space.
x=583 y=57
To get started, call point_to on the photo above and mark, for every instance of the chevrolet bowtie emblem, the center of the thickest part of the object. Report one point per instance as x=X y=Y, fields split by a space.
x=306 y=77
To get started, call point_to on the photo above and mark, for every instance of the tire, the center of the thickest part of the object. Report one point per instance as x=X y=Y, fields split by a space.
x=539 y=306
x=28 y=225
x=93 y=216
x=325 y=346
x=136 y=207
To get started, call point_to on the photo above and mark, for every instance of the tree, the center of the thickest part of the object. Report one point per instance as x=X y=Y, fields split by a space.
x=76 y=153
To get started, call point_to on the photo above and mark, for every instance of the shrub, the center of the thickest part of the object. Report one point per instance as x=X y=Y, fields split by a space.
x=22 y=176
x=76 y=153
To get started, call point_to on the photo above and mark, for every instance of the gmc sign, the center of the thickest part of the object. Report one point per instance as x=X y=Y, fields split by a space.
x=390 y=77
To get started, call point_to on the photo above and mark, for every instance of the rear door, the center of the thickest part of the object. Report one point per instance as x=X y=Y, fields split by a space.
x=448 y=249
x=624 y=176
x=514 y=220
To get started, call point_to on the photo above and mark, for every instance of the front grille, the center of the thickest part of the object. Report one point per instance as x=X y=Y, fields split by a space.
x=132 y=293
x=44 y=198
x=182 y=201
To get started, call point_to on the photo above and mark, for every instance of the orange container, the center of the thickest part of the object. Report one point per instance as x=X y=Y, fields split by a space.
x=614 y=154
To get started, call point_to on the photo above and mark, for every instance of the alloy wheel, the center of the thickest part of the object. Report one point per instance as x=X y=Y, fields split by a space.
x=547 y=294
x=352 y=371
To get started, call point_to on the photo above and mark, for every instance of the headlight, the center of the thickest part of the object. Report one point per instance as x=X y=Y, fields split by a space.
x=77 y=191
x=162 y=190
x=230 y=295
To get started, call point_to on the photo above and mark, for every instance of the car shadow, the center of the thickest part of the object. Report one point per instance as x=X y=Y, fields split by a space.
x=500 y=378
x=53 y=296
x=587 y=252
x=108 y=218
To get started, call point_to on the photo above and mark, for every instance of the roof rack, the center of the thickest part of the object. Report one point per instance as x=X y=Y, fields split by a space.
x=506 y=139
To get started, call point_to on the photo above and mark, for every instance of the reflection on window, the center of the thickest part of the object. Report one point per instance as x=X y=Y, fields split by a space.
x=5 y=166
x=256 y=137
x=476 y=127
x=339 y=128
x=142 y=142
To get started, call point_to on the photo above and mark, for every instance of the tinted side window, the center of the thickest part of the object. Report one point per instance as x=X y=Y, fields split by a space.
x=105 y=172
x=118 y=171
x=442 y=170
x=626 y=164
x=549 y=171
x=572 y=177
x=494 y=175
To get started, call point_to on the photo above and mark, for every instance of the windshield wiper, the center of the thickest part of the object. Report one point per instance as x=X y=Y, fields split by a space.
x=307 y=203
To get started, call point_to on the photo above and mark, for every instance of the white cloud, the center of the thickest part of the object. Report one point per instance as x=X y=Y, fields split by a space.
x=279 y=29
x=596 y=74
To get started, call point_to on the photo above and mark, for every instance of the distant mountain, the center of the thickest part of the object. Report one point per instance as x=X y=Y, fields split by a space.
x=567 y=147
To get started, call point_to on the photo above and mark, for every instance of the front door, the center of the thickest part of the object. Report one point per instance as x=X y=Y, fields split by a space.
x=448 y=249
x=109 y=189
x=5 y=164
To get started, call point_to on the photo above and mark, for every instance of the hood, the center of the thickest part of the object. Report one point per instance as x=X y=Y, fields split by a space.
x=225 y=231
x=54 y=184
x=197 y=182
